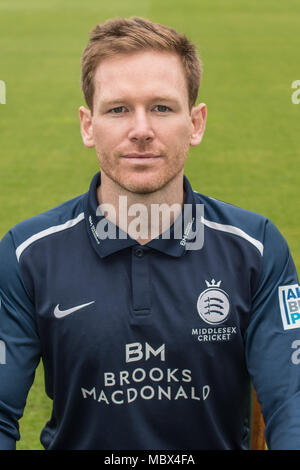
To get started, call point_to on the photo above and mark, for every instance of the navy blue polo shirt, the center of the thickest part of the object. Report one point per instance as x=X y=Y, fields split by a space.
x=154 y=346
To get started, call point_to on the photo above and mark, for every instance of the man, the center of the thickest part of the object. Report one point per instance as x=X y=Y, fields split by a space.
x=150 y=327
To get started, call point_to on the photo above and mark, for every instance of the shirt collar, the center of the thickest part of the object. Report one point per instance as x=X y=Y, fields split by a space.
x=167 y=243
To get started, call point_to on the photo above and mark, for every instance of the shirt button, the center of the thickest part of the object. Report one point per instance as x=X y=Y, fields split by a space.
x=139 y=253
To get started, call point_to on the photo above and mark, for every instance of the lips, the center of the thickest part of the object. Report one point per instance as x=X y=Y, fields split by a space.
x=141 y=155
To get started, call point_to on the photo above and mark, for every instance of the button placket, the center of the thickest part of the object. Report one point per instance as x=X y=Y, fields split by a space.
x=140 y=276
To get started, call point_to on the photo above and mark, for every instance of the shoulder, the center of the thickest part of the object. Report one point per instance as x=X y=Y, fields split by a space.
x=57 y=219
x=254 y=228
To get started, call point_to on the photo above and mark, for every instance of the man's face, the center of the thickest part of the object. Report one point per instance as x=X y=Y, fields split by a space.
x=141 y=126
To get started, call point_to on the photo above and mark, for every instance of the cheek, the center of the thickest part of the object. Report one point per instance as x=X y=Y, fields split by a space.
x=105 y=137
x=180 y=136
x=185 y=131
x=181 y=128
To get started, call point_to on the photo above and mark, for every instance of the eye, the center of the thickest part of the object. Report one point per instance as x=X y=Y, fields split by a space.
x=162 y=108
x=117 y=110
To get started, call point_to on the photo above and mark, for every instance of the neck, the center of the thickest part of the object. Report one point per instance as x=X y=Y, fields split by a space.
x=142 y=216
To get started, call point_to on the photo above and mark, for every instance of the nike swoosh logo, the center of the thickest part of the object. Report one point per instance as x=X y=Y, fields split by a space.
x=63 y=313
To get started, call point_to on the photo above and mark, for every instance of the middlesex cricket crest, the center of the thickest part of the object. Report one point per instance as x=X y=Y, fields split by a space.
x=213 y=304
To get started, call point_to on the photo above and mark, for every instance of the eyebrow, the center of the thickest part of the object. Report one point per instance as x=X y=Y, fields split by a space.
x=118 y=101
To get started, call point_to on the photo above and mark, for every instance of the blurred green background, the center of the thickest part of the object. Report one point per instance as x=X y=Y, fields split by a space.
x=250 y=153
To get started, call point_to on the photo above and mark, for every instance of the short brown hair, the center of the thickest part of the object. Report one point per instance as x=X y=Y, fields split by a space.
x=125 y=35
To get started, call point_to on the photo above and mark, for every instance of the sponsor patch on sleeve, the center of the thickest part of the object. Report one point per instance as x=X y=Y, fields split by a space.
x=289 y=301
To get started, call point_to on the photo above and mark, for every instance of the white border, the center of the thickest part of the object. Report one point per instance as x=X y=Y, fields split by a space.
x=48 y=231
x=235 y=231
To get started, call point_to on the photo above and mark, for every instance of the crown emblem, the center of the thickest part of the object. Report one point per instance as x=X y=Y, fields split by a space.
x=213 y=283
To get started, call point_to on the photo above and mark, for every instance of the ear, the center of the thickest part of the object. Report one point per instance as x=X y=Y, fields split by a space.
x=198 y=117
x=86 y=127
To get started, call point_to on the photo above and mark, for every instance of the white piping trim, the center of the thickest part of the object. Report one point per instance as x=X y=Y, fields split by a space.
x=235 y=231
x=48 y=231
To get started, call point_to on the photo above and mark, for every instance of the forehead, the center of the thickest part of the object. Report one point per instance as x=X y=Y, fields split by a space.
x=140 y=74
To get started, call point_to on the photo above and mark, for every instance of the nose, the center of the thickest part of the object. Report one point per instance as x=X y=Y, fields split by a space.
x=141 y=128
